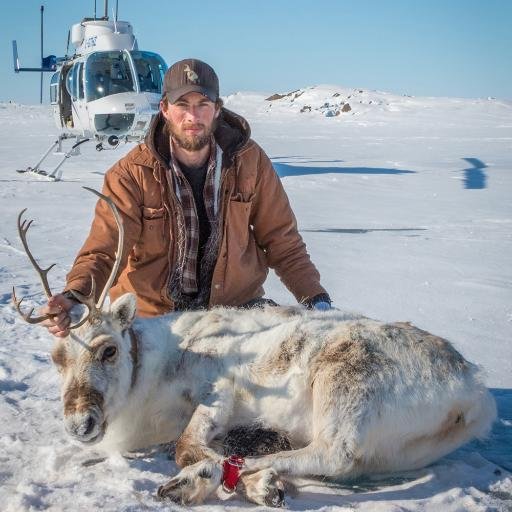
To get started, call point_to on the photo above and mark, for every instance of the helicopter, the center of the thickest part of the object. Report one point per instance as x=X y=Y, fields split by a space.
x=108 y=91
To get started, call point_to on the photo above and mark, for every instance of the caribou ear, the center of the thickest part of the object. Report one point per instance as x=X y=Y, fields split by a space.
x=123 y=310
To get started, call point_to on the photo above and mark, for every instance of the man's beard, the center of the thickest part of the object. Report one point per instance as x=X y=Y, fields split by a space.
x=191 y=142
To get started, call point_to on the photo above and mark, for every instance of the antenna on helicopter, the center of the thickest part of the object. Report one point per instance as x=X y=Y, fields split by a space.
x=41 y=82
x=115 y=21
x=67 y=45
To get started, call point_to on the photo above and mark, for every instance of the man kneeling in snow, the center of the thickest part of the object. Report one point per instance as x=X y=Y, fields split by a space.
x=205 y=214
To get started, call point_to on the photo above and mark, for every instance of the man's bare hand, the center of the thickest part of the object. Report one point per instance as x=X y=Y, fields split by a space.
x=58 y=305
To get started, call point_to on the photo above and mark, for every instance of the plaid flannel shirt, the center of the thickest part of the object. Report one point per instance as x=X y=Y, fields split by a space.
x=187 y=259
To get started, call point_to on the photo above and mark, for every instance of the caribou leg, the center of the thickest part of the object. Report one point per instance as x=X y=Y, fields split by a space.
x=194 y=483
x=202 y=466
x=263 y=488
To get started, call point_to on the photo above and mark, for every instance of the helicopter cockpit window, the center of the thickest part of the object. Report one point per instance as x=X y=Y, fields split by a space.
x=80 y=80
x=150 y=68
x=54 y=88
x=108 y=73
x=74 y=81
x=71 y=81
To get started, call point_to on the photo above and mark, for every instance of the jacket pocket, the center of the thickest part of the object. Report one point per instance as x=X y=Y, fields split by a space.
x=238 y=223
x=153 y=241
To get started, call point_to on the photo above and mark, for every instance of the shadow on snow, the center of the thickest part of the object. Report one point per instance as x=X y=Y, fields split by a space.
x=284 y=170
x=498 y=446
x=359 y=231
x=474 y=177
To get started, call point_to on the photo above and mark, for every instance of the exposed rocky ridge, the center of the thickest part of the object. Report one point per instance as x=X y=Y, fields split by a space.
x=325 y=100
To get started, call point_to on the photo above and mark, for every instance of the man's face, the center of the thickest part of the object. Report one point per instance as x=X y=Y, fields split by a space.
x=191 y=120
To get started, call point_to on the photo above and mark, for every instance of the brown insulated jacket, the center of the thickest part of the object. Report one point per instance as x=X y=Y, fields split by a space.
x=258 y=227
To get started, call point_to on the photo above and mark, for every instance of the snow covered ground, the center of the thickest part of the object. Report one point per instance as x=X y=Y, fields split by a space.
x=405 y=204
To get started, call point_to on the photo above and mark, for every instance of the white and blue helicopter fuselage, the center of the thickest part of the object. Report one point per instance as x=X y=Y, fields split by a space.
x=108 y=91
x=109 y=88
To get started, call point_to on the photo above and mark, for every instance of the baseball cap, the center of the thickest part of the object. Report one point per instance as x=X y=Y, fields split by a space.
x=190 y=75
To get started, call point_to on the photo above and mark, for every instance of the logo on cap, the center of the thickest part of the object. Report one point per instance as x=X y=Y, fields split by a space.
x=192 y=76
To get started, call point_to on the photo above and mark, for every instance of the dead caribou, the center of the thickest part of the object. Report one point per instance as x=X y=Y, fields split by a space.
x=353 y=395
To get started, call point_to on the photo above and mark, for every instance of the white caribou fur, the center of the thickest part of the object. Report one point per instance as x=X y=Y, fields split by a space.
x=353 y=395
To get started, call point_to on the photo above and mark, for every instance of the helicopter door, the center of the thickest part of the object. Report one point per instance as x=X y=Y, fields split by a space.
x=66 y=113
x=80 y=103
x=75 y=89
x=54 y=88
x=55 y=96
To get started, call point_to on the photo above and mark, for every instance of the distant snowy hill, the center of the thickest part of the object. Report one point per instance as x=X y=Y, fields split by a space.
x=405 y=206
x=334 y=101
x=327 y=100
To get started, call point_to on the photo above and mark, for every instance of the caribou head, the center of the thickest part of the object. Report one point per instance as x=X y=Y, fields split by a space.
x=98 y=366
x=98 y=359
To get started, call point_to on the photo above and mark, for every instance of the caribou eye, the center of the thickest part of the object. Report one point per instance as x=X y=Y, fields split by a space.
x=109 y=353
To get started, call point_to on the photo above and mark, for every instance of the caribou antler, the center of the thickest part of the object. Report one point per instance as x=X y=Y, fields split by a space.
x=89 y=300
x=23 y=227
x=27 y=316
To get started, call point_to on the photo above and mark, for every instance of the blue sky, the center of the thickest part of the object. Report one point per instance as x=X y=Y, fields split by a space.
x=423 y=48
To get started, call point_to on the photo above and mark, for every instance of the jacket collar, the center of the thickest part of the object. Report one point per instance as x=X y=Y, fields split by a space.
x=231 y=134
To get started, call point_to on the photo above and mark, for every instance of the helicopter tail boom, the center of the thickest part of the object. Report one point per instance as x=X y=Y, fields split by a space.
x=48 y=64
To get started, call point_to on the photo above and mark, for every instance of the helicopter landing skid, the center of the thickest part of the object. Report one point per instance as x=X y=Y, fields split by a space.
x=56 y=174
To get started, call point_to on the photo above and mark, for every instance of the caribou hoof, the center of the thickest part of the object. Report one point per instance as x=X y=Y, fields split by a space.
x=192 y=484
x=174 y=490
x=264 y=488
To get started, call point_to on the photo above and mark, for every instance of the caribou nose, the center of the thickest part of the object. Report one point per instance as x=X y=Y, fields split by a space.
x=84 y=428
x=89 y=425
